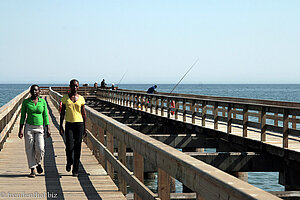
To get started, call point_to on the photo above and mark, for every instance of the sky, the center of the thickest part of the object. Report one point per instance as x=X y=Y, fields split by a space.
x=236 y=42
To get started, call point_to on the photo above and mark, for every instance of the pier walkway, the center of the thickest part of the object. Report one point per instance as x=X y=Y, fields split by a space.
x=131 y=133
x=55 y=183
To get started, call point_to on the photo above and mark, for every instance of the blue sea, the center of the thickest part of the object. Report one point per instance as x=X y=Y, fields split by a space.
x=279 y=92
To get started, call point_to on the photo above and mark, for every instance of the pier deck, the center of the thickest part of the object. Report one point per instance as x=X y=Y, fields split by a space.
x=55 y=183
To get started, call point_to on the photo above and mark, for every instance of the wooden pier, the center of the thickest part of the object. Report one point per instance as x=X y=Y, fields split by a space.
x=132 y=133
x=55 y=183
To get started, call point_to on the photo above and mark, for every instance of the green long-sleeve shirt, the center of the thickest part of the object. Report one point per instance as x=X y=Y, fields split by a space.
x=36 y=114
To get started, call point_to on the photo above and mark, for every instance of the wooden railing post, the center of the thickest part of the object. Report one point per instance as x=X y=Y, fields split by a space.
x=276 y=119
x=122 y=159
x=142 y=102
x=156 y=106
x=193 y=112
x=285 y=128
x=151 y=104
x=245 y=120
x=234 y=113
x=110 y=147
x=138 y=169
x=215 y=115
x=229 y=118
x=223 y=111
x=163 y=185
x=168 y=107
x=162 y=104
x=263 y=124
x=176 y=109
x=101 y=139
x=203 y=113
x=184 y=110
x=146 y=103
x=294 y=124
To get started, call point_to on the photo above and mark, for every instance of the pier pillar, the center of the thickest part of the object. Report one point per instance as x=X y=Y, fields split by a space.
x=172 y=185
x=290 y=176
x=185 y=189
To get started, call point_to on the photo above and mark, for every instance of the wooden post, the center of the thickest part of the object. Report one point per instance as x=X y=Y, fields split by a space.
x=285 y=128
x=229 y=118
x=110 y=147
x=146 y=103
x=176 y=109
x=101 y=139
x=138 y=169
x=294 y=122
x=163 y=185
x=156 y=106
x=184 y=110
x=234 y=113
x=216 y=115
x=245 y=120
x=122 y=159
x=130 y=100
x=151 y=104
x=162 y=104
x=193 y=112
x=168 y=107
x=203 y=113
x=142 y=102
x=263 y=124
x=275 y=119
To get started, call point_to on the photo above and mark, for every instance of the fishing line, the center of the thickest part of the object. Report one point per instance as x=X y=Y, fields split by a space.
x=184 y=76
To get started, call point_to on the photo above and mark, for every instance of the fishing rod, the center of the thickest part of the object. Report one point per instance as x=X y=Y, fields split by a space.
x=121 y=79
x=184 y=76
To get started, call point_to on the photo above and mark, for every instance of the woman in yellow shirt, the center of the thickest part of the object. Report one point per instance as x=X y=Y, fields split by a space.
x=74 y=112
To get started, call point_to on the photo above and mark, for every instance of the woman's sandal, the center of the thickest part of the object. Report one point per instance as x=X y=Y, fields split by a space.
x=32 y=174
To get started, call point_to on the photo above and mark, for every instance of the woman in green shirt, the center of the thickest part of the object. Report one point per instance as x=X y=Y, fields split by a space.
x=34 y=110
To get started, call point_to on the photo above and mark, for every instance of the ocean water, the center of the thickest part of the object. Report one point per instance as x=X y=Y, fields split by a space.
x=282 y=92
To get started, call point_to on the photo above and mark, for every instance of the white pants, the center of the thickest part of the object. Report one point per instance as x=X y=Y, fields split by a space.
x=34 y=144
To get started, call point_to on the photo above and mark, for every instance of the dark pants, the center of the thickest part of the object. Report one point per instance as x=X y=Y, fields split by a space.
x=74 y=132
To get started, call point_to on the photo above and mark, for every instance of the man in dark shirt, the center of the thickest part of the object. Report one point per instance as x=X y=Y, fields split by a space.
x=103 y=84
x=151 y=90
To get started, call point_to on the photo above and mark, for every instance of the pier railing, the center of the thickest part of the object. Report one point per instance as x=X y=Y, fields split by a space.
x=208 y=182
x=8 y=115
x=265 y=115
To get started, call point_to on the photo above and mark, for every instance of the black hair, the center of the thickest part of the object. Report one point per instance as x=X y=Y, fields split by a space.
x=73 y=80
x=34 y=85
x=155 y=86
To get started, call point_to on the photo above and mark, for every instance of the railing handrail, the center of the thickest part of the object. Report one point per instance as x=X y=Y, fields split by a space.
x=9 y=113
x=234 y=100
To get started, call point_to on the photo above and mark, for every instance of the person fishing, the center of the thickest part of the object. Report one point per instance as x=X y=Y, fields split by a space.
x=103 y=84
x=74 y=111
x=152 y=90
x=34 y=112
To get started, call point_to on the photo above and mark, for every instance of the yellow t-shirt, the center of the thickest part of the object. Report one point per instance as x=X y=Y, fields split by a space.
x=73 y=110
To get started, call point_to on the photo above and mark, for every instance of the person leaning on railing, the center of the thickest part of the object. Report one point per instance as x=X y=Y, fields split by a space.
x=34 y=109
